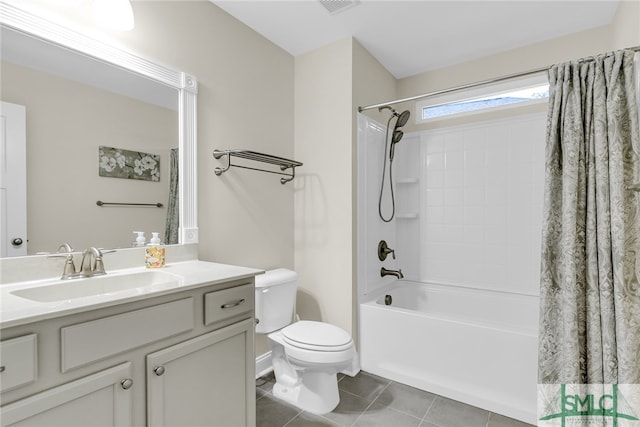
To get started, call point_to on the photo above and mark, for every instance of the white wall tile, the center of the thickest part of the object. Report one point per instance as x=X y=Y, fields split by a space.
x=487 y=231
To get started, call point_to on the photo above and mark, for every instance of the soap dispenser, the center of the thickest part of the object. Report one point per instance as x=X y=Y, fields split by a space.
x=140 y=240
x=155 y=239
x=155 y=252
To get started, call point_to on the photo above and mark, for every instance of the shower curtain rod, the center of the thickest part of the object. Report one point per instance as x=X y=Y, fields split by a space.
x=468 y=85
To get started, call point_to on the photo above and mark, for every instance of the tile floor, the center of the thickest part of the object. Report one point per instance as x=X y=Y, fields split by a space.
x=369 y=401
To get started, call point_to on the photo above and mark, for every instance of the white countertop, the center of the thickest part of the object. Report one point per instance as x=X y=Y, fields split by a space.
x=15 y=310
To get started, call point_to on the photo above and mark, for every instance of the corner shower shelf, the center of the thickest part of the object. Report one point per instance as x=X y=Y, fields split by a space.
x=408 y=180
x=408 y=215
x=283 y=163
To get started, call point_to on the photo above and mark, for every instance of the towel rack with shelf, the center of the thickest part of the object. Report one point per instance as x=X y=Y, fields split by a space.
x=284 y=164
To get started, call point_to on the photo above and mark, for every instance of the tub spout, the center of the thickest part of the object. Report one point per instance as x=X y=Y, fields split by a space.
x=385 y=272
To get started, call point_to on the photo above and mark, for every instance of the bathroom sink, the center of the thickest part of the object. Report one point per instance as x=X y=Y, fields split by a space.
x=61 y=290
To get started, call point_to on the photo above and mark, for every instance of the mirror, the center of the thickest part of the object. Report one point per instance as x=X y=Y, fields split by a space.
x=82 y=95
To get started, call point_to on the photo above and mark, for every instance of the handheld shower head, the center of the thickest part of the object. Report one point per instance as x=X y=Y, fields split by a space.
x=395 y=138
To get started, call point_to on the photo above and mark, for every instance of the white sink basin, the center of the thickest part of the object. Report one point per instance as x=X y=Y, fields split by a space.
x=61 y=290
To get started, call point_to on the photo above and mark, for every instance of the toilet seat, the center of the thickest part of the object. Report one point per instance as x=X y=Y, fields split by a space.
x=317 y=336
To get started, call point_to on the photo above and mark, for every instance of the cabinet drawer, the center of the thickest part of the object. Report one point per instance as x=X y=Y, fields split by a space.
x=228 y=303
x=18 y=361
x=92 y=341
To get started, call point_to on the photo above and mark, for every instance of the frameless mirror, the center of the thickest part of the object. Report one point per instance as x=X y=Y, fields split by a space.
x=100 y=127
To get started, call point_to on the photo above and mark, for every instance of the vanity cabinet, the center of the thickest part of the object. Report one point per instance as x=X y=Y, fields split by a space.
x=101 y=400
x=183 y=359
x=185 y=389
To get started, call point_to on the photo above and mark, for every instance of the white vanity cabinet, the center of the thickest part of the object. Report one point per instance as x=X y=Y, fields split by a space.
x=182 y=359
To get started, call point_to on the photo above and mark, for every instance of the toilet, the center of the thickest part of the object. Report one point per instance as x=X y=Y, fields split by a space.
x=306 y=355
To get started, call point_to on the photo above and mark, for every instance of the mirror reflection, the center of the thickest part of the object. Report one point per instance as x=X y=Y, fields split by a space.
x=74 y=105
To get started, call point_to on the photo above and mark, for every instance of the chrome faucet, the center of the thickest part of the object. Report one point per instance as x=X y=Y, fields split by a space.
x=385 y=272
x=65 y=250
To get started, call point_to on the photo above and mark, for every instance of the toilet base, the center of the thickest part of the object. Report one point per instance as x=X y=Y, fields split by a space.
x=315 y=392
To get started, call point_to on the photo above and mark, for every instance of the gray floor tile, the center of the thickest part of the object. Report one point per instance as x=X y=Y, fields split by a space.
x=406 y=399
x=266 y=383
x=271 y=412
x=379 y=415
x=365 y=385
x=449 y=413
x=348 y=410
x=496 y=420
x=306 y=419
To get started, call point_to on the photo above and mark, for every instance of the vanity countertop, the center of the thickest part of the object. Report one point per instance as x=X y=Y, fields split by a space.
x=15 y=310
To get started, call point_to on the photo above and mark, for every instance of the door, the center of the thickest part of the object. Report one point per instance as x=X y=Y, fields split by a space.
x=13 y=180
x=206 y=381
x=103 y=399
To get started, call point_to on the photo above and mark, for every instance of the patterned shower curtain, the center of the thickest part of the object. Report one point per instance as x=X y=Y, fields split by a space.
x=590 y=296
x=171 y=229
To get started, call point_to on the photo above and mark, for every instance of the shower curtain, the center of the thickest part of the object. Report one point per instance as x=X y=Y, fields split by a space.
x=171 y=229
x=589 y=295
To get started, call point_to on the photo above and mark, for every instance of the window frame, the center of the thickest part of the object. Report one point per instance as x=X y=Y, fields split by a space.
x=481 y=92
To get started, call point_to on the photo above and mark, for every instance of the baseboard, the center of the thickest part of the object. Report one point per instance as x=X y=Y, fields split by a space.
x=263 y=364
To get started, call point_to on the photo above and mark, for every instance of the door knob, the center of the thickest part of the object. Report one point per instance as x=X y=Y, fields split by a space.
x=17 y=241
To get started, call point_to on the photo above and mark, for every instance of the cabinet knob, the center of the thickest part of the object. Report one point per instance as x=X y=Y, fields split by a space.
x=126 y=383
x=158 y=370
x=2 y=368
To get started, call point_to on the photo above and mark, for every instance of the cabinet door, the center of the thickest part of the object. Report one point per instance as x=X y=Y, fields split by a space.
x=101 y=399
x=206 y=381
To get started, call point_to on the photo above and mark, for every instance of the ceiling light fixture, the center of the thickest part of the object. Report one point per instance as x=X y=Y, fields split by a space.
x=114 y=14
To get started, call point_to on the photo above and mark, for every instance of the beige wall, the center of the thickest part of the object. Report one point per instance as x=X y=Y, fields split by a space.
x=66 y=123
x=623 y=32
x=245 y=100
x=323 y=210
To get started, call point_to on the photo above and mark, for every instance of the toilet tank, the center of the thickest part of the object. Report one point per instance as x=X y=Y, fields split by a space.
x=275 y=299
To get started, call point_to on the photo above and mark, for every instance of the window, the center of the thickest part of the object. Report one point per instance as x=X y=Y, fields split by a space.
x=503 y=95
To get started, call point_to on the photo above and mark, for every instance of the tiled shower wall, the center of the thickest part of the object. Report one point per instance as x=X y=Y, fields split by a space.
x=470 y=204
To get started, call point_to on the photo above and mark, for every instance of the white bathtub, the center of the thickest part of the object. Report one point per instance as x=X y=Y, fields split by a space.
x=474 y=346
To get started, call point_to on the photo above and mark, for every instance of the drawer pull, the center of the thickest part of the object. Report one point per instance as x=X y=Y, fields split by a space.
x=126 y=383
x=158 y=370
x=232 y=304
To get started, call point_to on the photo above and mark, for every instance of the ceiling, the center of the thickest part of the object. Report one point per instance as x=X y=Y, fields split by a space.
x=411 y=37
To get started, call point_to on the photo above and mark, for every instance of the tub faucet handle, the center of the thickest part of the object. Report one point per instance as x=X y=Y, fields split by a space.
x=384 y=250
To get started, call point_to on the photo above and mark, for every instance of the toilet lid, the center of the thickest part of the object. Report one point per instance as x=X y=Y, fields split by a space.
x=316 y=336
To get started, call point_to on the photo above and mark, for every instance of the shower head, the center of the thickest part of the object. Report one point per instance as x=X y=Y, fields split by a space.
x=403 y=118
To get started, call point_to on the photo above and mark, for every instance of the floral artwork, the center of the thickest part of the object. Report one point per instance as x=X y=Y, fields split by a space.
x=119 y=163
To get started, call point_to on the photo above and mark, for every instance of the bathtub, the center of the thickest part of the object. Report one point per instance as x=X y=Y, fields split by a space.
x=474 y=346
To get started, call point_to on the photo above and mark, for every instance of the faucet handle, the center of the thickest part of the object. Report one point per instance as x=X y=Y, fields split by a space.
x=98 y=267
x=384 y=250
x=69 y=266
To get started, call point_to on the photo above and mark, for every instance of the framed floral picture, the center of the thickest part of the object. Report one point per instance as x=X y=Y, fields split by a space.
x=120 y=163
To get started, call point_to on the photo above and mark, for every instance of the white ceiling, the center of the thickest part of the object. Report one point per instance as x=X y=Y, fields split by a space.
x=411 y=37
